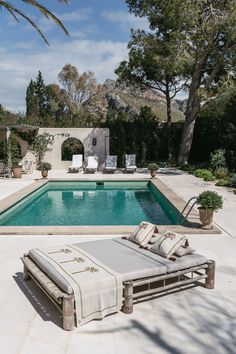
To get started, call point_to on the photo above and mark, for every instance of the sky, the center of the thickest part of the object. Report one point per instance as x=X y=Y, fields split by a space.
x=99 y=34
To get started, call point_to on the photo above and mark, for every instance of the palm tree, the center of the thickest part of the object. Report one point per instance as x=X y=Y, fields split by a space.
x=16 y=12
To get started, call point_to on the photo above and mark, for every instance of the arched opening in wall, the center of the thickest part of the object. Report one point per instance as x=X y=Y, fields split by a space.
x=70 y=147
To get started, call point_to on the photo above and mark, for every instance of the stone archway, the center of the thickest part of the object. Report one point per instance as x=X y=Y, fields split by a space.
x=70 y=147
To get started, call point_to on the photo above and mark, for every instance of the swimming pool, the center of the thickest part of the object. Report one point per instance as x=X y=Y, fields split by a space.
x=91 y=203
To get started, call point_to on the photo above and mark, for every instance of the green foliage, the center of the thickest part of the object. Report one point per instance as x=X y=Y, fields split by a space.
x=153 y=166
x=210 y=201
x=232 y=181
x=188 y=168
x=207 y=175
x=26 y=135
x=221 y=173
x=222 y=183
x=215 y=130
x=44 y=166
x=42 y=144
x=17 y=12
x=71 y=146
x=204 y=33
x=14 y=149
x=217 y=159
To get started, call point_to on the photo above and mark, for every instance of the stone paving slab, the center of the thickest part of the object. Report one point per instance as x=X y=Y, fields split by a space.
x=196 y=320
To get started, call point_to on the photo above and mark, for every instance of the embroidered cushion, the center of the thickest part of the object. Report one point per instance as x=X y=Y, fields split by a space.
x=183 y=250
x=154 y=238
x=168 y=243
x=143 y=233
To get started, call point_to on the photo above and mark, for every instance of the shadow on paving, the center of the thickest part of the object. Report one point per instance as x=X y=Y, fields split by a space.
x=192 y=321
x=40 y=302
x=171 y=172
x=200 y=324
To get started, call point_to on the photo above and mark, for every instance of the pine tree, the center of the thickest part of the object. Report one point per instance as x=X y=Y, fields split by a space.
x=40 y=92
x=32 y=104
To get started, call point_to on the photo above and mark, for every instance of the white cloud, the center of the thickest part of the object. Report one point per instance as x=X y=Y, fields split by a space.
x=18 y=67
x=76 y=16
x=126 y=20
x=72 y=17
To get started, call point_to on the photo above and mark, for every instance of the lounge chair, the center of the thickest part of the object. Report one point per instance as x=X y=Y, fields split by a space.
x=27 y=165
x=130 y=163
x=111 y=163
x=4 y=170
x=142 y=274
x=77 y=163
x=92 y=164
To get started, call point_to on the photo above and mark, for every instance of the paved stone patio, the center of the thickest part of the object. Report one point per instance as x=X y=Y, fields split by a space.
x=196 y=320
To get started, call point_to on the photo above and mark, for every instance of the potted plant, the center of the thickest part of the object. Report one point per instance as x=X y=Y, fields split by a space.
x=16 y=167
x=15 y=156
x=41 y=144
x=44 y=167
x=153 y=167
x=208 y=202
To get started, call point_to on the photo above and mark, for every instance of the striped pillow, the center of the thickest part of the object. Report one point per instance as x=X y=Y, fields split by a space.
x=168 y=243
x=143 y=233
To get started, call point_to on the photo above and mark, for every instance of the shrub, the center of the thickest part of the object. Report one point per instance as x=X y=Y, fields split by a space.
x=222 y=183
x=210 y=200
x=188 y=168
x=153 y=166
x=45 y=166
x=221 y=173
x=232 y=181
x=217 y=159
x=205 y=174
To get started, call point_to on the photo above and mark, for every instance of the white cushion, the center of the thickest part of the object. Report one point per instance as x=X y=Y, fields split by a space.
x=143 y=233
x=183 y=250
x=168 y=243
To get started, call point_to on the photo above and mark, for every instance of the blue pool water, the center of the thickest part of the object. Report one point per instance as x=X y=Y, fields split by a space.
x=90 y=203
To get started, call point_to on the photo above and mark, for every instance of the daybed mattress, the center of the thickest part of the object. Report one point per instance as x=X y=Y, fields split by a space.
x=125 y=258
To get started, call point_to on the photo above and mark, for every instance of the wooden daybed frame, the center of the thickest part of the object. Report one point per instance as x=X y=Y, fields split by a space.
x=132 y=290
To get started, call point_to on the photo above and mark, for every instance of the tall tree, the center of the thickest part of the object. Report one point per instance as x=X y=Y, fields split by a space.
x=16 y=12
x=80 y=88
x=32 y=103
x=205 y=30
x=40 y=92
x=154 y=63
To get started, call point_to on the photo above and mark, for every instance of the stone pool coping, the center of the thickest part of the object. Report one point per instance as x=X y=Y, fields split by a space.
x=193 y=225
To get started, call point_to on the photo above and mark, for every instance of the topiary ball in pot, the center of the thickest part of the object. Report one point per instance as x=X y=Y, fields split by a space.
x=153 y=167
x=208 y=202
x=44 y=167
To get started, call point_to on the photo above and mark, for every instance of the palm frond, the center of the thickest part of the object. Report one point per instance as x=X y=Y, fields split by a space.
x=14 y=11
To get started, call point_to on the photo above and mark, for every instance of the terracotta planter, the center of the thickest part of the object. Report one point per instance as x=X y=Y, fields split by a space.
x=206 y=216
x=44 y=173
x=17 y=171
x=153 y=173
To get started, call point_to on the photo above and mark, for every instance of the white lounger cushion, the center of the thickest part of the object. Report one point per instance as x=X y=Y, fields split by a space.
x=77 y=162
x=92 y=163
x=124 y=257
x=143 y=233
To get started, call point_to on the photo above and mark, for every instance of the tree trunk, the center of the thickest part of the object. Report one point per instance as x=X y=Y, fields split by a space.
x=192 y=111
x=169 y=130
x=187 y=137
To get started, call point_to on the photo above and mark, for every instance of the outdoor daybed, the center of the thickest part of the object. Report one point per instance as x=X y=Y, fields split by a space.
x=127 y=273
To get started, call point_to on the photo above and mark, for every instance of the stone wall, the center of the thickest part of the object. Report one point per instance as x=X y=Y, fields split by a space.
x=86 y=136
